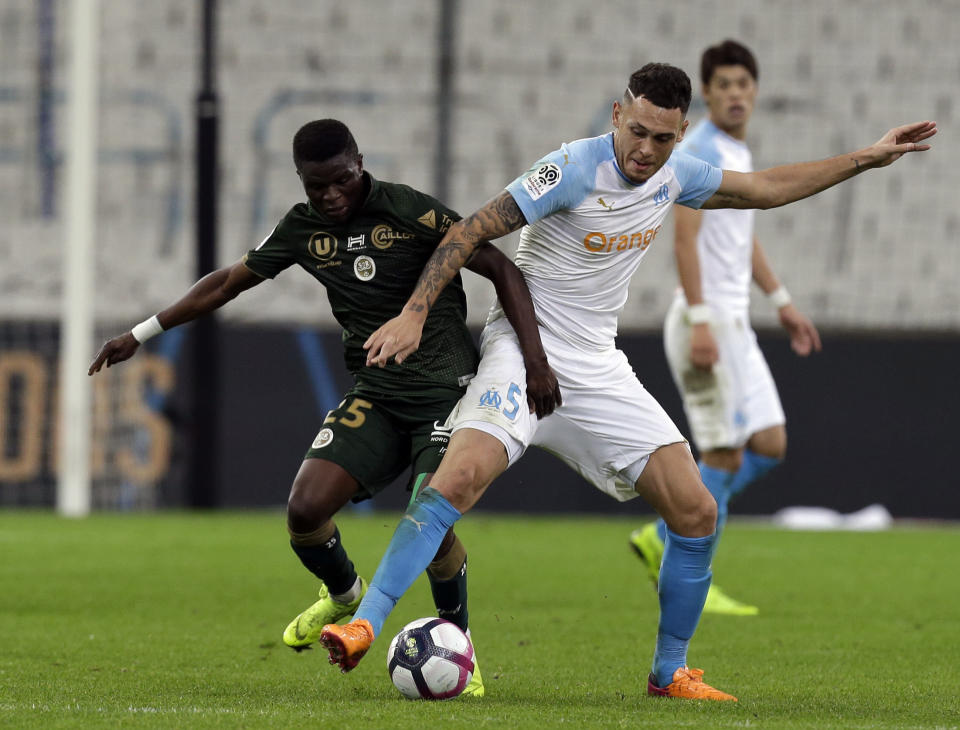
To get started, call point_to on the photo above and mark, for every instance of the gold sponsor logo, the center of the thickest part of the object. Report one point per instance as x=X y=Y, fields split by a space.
x=384 y=237
x=322 y=246
x=597 y=242
x=445 y=223
x=429 y=219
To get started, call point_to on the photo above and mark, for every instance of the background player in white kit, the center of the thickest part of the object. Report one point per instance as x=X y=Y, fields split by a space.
x=590 y=210
x=729 y=396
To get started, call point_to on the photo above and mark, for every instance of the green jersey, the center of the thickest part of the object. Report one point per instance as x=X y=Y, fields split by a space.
x=369 y=266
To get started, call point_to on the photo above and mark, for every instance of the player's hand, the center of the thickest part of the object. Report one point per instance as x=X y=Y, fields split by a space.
x=899 y=141
x=703 y=347
x=804 y=337
x=543 y=390
x=113 y=351
x=397 y=338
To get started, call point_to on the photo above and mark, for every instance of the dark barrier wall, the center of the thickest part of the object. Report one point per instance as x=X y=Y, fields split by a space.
x=869 y=420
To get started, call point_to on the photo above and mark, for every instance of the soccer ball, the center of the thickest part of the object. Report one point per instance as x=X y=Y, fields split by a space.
x=430 y=659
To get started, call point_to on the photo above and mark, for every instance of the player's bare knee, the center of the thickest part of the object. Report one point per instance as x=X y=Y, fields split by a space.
x=770 y=442
x=307 y=509
x=723 y=459
x=697 y=517
x=706 y=516
x=301 y=513
x=461 y=484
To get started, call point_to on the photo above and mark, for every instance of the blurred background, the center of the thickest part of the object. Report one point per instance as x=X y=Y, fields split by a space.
x=457 y=99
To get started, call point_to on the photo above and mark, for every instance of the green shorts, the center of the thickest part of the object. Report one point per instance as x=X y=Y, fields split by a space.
x=376 y=436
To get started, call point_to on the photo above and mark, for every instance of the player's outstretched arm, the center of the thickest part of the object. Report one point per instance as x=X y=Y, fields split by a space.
x=785 y=184
x=400 y=336
x=543 y=390
x=804 y=337
x=211 y=292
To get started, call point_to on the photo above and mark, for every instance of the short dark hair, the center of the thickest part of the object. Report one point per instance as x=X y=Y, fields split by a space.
x=728 y=53
x=662 y=84
x=322 y=139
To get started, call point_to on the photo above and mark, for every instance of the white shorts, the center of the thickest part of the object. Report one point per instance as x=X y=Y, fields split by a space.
x=606 y=428
x=738 y=398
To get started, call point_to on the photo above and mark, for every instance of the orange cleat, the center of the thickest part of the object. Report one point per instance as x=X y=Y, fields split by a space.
x=688 y=684
x=347 y=643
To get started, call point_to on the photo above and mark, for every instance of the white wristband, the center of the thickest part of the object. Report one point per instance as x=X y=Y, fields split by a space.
x=146 y=329
x=699 y=314
x=780 y=297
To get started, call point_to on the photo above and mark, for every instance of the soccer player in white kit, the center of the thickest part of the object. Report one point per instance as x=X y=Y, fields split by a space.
x=591 y=211
x=731 y=401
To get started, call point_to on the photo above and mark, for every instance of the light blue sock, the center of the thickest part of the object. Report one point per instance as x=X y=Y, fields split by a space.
x=684 y=581
x=753 y=467
x=718 y=482
x=413 y=545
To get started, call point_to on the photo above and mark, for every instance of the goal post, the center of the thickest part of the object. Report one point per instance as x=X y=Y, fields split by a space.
x=76 y=330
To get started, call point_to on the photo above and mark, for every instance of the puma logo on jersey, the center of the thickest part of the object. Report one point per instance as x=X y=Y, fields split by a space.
x=608 y=207
x=418 y=524
x=567 y=160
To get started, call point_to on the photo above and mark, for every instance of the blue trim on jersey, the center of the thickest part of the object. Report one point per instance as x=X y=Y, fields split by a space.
x=698 y=180
x=564 y=178
x=577 y=163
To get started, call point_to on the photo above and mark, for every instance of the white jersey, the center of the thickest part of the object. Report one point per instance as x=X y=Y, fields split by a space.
x=589 y=227
x=725 y=239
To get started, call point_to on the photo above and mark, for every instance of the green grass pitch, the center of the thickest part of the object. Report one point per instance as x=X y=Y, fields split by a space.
x=174 y=620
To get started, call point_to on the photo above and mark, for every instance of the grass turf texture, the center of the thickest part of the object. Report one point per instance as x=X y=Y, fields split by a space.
x=174 y=620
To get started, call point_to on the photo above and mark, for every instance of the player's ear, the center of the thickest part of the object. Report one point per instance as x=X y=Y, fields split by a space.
x=683 y=129
x=615 y=116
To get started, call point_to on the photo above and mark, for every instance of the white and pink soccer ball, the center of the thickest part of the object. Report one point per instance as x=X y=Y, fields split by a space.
x=430 y=659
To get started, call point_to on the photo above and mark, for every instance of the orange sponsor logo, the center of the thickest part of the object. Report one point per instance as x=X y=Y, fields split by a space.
x=597 y=242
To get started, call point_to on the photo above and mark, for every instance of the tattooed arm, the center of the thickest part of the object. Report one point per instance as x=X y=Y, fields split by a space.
x=400 y=337
x=778 y=186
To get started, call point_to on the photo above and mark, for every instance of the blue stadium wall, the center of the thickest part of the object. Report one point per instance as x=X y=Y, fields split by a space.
x=869 y=420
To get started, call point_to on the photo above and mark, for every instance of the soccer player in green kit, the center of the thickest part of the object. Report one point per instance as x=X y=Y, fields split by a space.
x=366 y=242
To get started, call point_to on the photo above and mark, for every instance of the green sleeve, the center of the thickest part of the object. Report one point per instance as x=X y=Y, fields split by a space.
x=273 y=255
x=438 y=218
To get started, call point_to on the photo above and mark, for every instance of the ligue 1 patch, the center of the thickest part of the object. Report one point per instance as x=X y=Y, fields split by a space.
x=542 y=180
x=364 y=268
x=324 y=438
